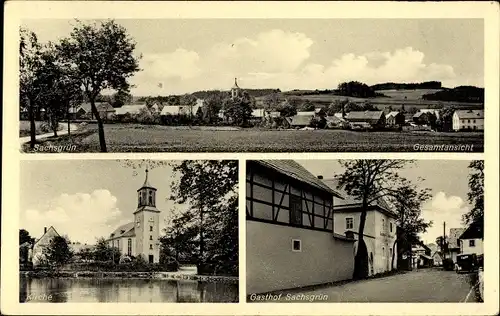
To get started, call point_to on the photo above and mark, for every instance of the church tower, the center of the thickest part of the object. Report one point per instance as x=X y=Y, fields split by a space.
x=235 y=90
x=147 y=223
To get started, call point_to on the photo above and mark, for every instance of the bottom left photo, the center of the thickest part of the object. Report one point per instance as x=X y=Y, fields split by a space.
x=125 y=231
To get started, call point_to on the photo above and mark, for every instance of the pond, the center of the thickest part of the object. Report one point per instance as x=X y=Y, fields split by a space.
x=89 y=290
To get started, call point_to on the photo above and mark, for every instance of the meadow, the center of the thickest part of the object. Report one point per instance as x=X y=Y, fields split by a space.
x=154 y=138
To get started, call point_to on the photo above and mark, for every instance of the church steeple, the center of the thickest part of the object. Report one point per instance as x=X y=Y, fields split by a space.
x=146 y=195
x=235 y=90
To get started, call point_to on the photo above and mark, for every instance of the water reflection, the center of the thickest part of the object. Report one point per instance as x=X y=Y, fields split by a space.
x=56 y=290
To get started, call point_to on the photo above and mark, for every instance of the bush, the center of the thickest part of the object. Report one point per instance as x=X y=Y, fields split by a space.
x=448 y=264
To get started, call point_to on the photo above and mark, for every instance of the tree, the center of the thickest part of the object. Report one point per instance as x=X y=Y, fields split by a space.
x=58 y=252
x=212 y=210
x=336 y=106
x=442 y=244
x=475 y=196
x=103 y=252
x=307 y=106
x=29 y=68
x=369 y=181
x=445 y=122
x=239 y=109
x=355 y=89
x=101 y=57
x=407 y=199
x=351 y=106
x=24 y=236
x=287 y=110
x=271 y=101
x=120 y=98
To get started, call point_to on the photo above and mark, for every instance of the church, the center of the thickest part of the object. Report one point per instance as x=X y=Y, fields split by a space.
x=140 y=237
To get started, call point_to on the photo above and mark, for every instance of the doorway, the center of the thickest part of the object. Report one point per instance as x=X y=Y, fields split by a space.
x=151 y=257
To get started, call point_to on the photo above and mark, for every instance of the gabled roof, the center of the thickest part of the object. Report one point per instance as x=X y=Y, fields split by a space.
x=364 y=115
x=126 y=230
x=391 y=114
x=334 y=119
x=130 y=108
x=51 y=228
x=101 y=107
x=455 y=234
x=474 y=231
x=307 y=113
x=299 y=120
x=351 y=202
x=470 y=114
x=294 y=170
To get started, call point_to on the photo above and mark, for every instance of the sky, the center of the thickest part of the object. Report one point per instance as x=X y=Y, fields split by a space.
x=86 y=199
x=447 y=180
x=187 y=55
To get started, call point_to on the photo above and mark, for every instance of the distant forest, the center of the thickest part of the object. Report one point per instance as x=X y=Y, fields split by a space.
x=407 y=86
x=469 y=94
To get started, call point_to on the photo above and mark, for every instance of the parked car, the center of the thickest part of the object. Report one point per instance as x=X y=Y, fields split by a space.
x=466 y=263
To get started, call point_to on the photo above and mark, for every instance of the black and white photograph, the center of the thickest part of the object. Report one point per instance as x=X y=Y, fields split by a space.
x=421 y=223
x=251 y=85
x=127 y=231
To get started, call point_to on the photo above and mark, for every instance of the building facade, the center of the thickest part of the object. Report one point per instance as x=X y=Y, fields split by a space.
x=140 y=237
x=471 y=240
x=380 y=233
x=454 y=243
x=41 y=244
x=289 y=224
x=469 y=120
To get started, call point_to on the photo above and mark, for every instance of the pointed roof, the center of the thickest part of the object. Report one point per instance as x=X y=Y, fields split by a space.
x=146 y=182
x=51 y=228
x=126 y=230
x=235 y=84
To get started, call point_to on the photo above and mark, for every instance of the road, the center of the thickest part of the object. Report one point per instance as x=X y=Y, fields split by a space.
x=425 y=285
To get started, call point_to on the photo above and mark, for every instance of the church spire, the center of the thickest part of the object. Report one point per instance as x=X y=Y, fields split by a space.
x=236 y=84
x=146 y=193
x=146 y=182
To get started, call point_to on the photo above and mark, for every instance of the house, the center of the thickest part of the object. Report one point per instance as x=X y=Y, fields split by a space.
x=290 y=240
x=395 y=118
x=453 y=243
x=471 y=120
x=299 y=121
x=437 y=259
x=471 y=240
x=432 y=111
x=183 y=110
x=376 y=119
x=336 y=122
x=424 y=118
x=140 y=237
x=306 y=113
x=42 y=243
x=84 y=111
x=320 y=112
x=421 y=256
x=380 y=228
x=258 y=114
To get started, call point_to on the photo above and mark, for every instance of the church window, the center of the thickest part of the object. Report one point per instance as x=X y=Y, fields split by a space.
x=150 y=198
x=150 y=246
x=150 y=228
x=150 y=237
x=129 y=246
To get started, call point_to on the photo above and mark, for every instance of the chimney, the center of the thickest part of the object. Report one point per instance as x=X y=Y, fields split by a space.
x=320 y=177
x=45 y=230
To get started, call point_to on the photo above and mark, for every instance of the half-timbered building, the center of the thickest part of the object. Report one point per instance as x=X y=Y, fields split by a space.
x=290 y=238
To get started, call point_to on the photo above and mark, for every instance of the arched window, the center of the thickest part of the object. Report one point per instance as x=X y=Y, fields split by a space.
x=129 y=246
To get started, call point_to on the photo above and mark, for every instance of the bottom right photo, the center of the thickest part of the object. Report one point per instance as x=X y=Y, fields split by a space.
x=364 y=230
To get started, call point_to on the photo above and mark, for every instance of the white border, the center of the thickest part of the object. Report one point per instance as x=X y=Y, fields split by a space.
x=17 y=10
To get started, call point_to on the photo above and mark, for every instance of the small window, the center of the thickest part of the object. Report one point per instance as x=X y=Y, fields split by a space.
x=383 y=252
x=383 y=224
x=296 y=245
x=150 y=228
x=472 y=243
x=390 y=252
x=349 y=223
x=390 y=225
x=151 y=246
x=295 y=210
x=150 y=237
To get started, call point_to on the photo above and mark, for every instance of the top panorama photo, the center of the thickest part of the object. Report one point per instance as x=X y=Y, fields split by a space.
x=251 y=85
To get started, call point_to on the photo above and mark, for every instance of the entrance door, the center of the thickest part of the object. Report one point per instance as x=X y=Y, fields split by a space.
x=151 y=258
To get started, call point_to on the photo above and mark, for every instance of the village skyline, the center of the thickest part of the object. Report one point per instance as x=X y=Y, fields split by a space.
x=208 y=54
x=447 y=180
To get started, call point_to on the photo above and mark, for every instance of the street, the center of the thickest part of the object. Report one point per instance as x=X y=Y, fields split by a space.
x=425 y=285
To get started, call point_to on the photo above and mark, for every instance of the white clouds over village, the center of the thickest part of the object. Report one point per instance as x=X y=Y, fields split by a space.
x=282 y=59
x=443 y=208
x=82 y=216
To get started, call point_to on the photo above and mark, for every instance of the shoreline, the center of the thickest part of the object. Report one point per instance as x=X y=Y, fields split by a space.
x=174 y=276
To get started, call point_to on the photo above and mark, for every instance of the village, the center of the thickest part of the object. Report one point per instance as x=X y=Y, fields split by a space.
x=134 y=253
x=303 y=239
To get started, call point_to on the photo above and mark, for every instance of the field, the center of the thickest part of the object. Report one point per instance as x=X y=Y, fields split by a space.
x=138 y=138
x=395 y=98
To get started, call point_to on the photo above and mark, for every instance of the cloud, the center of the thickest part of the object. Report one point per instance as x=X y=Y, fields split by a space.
x=442 y=208
x=282 y=59
x=81 y=216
